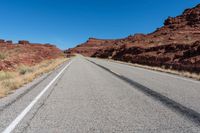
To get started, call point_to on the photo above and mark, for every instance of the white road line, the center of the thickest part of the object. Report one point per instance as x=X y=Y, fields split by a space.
x=17 y=120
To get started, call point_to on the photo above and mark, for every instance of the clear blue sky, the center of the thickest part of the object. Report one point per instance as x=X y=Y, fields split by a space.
x=67 y=23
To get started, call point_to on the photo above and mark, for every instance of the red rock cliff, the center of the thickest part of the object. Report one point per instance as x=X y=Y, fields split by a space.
x=176 y=45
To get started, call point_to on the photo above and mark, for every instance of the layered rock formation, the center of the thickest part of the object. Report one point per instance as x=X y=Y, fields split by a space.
x=25 y=53
x=176 y=45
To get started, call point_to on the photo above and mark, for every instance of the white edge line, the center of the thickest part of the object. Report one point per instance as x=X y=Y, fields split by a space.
x=17 y=120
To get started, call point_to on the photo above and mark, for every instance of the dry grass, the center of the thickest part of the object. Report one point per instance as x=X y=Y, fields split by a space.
x=180 y=73
x=10 y=81
x=162 y=69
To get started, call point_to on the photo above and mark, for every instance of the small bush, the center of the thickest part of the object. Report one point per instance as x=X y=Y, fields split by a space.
x=2 y=56
x=24 y=70
x=5 y=75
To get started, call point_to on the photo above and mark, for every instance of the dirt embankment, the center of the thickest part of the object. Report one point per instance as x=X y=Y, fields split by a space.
x=176 y=45
x=25 y=53
x=21 y=63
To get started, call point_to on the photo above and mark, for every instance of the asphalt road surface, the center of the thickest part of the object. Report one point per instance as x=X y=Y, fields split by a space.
x=99 y=96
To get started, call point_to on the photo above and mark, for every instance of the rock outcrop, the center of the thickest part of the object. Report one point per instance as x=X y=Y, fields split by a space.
x=23 y=42
x=90 y=47
x=176 y=45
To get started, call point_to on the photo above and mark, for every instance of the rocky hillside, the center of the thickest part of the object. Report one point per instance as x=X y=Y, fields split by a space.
x=25 y=53
x=176 y=45
x=90 y=47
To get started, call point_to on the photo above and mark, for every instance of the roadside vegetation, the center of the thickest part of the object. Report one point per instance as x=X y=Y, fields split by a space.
x=2 y=56
x=11 y=80
x=163 y=69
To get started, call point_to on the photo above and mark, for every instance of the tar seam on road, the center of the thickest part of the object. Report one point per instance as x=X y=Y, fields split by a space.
x=17 y=120
x=181 y=109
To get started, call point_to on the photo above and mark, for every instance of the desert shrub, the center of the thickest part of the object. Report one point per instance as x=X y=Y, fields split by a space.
x=2 y=56
x=24 y=70
x=5 y=75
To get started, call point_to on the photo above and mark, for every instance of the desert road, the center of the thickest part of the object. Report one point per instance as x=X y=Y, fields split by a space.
x=99 y=96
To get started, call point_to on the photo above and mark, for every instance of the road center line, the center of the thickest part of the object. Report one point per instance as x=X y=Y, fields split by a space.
x=17 y=120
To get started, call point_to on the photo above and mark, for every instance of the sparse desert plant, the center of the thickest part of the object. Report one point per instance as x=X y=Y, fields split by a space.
x=24 y=70
x=5 y=75
x=2 y=56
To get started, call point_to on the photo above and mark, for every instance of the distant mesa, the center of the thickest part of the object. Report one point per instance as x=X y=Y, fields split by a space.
x=23 y=42
x=9 y=41
x=2 y=41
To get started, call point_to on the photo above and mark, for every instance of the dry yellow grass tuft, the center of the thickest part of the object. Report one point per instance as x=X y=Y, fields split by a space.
x=2 y=56
x=10 y=81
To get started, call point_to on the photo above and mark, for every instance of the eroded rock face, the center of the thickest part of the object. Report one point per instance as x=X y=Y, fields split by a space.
x=190 y=17
x=175 y=56
x=175 y=45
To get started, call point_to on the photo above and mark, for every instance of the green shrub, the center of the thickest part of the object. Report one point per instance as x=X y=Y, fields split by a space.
x=2 y=56
x=24 y=70
x=5 y=75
